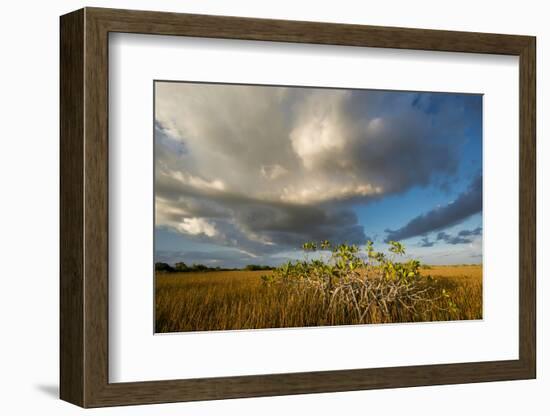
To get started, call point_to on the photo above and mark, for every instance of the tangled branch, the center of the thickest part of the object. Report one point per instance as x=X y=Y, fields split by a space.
x=363 y=284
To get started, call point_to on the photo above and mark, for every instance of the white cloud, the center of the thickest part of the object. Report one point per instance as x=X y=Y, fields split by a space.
x=321 y=128
x=197 y=182
x=248 y=254
x=317 y=193
x=196 y=226
x=166 y=209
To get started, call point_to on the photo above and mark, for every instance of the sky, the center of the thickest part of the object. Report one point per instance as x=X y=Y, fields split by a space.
x=246 y=174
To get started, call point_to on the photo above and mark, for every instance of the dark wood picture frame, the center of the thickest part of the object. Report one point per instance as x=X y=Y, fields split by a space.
x=84 y=207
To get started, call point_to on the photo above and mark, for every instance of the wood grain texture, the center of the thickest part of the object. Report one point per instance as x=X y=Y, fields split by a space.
x=225 y=27
x=84 y=207
x=71 y=208
x=96 y=208
x=527 y=208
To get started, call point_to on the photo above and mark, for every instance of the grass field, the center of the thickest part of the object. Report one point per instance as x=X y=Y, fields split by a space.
x=239 y=300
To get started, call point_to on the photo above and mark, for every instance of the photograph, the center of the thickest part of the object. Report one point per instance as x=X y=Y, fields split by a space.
x=291 y=206
x=280 y=204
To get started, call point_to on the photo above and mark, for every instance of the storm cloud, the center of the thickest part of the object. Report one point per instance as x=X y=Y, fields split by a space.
x=264 y=169
x=465 y=205
x=469 y=233
x=462 y=237
x=426 y=242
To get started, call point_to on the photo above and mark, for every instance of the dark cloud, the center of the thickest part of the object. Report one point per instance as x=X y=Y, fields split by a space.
x=466 y=204
x=256 y=225
x=462 y=237
x=453 y=239
x=289 y=224
x=468 y=233
x=425 y=242
x=402 y=151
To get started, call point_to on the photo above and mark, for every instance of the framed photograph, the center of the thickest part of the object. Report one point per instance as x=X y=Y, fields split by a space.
x=255 y=207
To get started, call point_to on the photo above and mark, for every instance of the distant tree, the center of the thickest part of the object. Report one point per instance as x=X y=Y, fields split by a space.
x=163 y=267
x=199 y=268
x=255 y=267
x=181 y=267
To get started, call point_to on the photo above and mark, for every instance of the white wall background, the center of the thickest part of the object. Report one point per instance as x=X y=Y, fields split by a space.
x=29 y=159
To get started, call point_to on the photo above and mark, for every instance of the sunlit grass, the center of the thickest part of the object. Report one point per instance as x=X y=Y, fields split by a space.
x=239 y=300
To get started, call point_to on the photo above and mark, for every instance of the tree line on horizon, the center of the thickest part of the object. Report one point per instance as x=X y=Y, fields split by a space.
x=180 y=267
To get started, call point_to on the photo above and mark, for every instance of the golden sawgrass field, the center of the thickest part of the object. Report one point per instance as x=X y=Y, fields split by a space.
x=229 y=300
